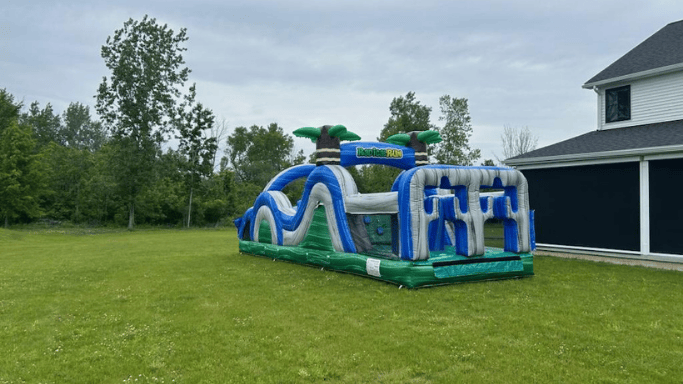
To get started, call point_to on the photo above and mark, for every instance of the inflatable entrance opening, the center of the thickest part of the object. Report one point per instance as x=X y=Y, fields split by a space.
x=375 y=234
x=427 y=230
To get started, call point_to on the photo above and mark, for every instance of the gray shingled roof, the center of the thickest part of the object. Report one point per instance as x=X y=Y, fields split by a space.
x=642 y=136
x=662 y=49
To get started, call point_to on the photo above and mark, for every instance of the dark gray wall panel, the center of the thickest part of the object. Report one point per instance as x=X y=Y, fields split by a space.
x=666 y=209
x=589 y=206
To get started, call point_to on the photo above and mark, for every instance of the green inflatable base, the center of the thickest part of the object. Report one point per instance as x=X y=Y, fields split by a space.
x=443 y=267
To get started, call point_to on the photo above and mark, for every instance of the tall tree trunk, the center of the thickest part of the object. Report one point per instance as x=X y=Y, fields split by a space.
x=131 y=216
x=189 y=208
x=78 y=199
x=101 y=212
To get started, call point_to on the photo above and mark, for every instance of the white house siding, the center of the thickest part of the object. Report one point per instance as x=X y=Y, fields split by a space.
x=653 y=100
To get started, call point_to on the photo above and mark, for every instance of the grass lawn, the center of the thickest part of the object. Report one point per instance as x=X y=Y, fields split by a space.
x=493 y=234
x=164 y=306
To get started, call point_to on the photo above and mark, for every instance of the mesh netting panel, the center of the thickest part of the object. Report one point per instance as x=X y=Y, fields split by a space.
x=375 y=235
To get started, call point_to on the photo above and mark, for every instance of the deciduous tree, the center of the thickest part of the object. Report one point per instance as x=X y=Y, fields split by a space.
x=456 y=132
x=9 y=110
x=79 y=130
x=517 y=141
x=139 y=99
x=257 y=154
x=67 y=173
x=45 y=124
x=407 y=114
x=21 y=176
x=196 y=144
x=219 y=131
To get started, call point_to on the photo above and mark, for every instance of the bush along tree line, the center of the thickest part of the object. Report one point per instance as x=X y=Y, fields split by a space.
x=122 y=169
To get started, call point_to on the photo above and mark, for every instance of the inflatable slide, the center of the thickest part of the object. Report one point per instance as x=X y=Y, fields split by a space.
x=427 y=230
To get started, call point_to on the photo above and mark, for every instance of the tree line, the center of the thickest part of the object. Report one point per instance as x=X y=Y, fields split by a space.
x=120 y=170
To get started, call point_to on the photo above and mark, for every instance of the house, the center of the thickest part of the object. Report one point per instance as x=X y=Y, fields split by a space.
x=617 y=189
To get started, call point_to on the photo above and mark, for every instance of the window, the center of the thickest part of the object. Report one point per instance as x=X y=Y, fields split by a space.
x=618 y=104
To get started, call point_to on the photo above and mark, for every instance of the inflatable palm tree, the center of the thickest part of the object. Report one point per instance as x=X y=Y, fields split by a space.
x=418 y=141
x=327 y=139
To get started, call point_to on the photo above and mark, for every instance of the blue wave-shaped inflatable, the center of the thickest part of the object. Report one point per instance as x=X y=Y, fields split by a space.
x=327 y=184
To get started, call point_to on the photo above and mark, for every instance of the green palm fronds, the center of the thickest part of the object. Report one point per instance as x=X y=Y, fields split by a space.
x=429 y=137
x=399 y=139
x=308 y=132
x=342 y=133
x=348 y=136
x=337 y=130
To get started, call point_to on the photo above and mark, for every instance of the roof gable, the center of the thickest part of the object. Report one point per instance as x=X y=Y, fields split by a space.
x=663 y=49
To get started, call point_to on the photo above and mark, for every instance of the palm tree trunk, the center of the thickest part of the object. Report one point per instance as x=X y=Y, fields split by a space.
x=327 y=148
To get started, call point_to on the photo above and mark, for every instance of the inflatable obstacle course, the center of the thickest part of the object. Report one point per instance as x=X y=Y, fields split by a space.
x=428 y=230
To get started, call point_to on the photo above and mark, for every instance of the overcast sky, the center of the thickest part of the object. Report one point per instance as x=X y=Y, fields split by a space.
x=309 y=63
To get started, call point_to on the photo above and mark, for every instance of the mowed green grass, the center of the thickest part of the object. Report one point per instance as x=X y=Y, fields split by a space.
x=187 y=307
